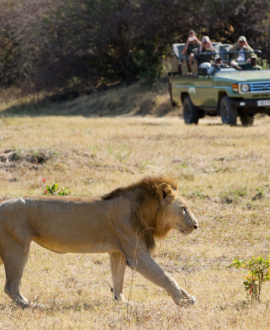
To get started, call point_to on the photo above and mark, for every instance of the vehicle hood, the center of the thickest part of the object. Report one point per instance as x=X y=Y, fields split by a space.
x=245 y=76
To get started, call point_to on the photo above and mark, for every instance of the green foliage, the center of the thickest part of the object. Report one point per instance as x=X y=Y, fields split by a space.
x=87 y=44
x=148 y=62
x=64 y=192
x=260 y=192
x=265 y=65
x=52 y=190
x=258 y=273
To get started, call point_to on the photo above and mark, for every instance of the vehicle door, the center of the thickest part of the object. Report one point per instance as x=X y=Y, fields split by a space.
x=203 y=94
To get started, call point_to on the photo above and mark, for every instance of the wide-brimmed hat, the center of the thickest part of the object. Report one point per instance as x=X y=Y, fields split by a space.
x=205 y=40
x=242 y=38
x=253 y=55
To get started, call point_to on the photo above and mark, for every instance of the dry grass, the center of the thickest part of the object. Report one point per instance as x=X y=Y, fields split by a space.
x=136 y=100
x=218 y=170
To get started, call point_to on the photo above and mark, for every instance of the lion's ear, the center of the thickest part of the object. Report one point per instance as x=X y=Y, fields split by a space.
x=166 y=192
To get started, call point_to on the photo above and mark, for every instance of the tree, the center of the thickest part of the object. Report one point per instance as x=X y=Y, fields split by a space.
x=86 y=44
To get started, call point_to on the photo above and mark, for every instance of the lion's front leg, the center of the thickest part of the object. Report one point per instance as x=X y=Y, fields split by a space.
x=147 y=267
x=118 y=266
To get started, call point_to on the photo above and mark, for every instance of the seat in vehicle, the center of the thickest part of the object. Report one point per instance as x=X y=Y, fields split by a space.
x=179 y=61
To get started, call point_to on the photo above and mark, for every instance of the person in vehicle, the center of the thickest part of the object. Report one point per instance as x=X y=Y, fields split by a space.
x=219 y=64
x=206 y=47
x=241 y=46
x=191 y=44
x=252 y=65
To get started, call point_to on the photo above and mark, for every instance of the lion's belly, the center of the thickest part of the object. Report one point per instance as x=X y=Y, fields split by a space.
x=75 y=247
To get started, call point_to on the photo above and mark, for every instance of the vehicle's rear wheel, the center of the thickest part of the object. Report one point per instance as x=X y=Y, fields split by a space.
x=247 y=120
x=227 y=112
x=191 y=113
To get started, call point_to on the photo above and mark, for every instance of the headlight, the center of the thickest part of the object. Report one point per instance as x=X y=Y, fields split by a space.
x=245 y=88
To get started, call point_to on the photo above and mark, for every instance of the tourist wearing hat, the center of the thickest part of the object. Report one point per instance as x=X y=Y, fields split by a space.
x=192 y=43
x=219 y=63
x=242 y=46
x=206 y=47
x=252 y=65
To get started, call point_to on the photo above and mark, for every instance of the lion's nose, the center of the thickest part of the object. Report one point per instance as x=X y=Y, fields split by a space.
x=195 y=226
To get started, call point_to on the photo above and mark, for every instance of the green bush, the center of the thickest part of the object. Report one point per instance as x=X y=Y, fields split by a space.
x=258 y=274
x=52 y=190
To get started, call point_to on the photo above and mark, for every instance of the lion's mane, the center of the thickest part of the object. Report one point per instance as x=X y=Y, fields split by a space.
x=145 y=197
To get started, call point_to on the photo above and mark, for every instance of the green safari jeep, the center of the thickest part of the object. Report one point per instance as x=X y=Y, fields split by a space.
x=222 y=91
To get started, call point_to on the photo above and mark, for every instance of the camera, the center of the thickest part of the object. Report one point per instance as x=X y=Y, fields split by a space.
x=191 y=39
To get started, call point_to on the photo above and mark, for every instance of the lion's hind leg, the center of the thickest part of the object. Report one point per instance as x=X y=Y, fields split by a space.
x=15 y=260
x=118 y=266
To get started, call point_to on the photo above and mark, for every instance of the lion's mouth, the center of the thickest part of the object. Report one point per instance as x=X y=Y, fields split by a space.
x=185 y=232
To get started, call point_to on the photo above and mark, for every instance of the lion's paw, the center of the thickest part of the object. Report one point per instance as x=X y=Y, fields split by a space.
x=187 y=301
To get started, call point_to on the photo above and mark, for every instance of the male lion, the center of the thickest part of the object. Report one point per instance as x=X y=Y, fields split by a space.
x=123 y=223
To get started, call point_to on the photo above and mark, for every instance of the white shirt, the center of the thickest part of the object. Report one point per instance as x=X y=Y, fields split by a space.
x=241 y=57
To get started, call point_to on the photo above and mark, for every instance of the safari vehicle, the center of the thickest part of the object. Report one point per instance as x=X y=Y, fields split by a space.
x=224 y=91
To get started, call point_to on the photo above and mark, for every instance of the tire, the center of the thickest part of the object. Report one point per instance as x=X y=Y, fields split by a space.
x=191 y=113
x=228 y=113
x=247 y=120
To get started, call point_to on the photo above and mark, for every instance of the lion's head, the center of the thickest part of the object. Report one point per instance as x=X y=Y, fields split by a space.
x=174 y=214
x=156 y=208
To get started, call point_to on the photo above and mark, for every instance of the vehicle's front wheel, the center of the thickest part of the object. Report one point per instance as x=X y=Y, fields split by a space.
x=191 y=113
x=247 y=120
x=227 y=112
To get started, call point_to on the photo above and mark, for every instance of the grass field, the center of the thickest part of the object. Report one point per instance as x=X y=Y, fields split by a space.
x=223 y=172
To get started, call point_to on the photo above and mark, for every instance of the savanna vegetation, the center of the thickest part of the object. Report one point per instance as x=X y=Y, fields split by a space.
x=223 y=172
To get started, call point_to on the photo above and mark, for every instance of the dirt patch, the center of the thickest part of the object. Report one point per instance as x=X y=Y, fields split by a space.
x=11 y=158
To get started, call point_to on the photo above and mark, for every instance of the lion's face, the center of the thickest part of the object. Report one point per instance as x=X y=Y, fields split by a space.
x=182 y=219
x=174 y=213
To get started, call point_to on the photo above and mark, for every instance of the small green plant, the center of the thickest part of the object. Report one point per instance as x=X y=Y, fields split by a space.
x=258 y=273
x=64 y=192
x=52 y=190
x=260 y=192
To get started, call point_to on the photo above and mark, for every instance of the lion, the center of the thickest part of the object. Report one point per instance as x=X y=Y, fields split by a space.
x=124 y=223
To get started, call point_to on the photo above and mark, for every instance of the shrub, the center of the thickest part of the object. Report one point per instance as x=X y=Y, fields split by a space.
x=258 y=273
x=52 y=190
